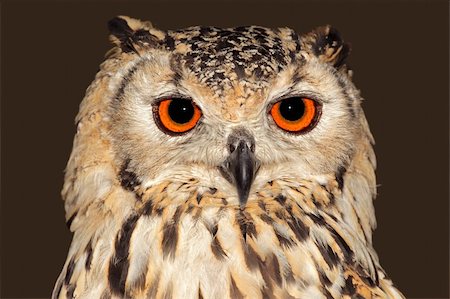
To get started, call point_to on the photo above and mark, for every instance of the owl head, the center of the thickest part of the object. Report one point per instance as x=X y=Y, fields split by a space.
x=229 y=109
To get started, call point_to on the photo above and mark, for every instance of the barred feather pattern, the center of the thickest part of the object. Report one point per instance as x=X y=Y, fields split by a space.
x=294 y=239
x=198 y=245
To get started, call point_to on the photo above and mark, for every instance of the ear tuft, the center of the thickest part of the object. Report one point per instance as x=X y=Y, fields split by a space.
x=326 y=43
x=130 y=34
x=119 y=28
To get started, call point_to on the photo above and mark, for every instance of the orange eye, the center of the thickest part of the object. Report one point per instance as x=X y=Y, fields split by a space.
x=296 y=114
x=176 y=116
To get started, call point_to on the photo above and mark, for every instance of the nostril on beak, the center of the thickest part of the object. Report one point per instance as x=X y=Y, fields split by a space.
x=240 y=139
x=242 y=145
x=232 y=148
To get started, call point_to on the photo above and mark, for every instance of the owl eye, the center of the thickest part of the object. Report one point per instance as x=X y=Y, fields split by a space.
x=296 y=114
x=176 y=116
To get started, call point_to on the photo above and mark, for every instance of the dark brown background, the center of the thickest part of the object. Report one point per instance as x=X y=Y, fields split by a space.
x=51 y=52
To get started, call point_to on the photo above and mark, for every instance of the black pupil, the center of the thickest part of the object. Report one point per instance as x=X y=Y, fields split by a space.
x=292 y=109
x=181 y=111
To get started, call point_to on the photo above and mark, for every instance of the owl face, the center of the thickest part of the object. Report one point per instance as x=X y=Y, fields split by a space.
x=231 y=107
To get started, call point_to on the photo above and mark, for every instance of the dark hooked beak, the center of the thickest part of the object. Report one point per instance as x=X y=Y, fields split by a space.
x=241 y=165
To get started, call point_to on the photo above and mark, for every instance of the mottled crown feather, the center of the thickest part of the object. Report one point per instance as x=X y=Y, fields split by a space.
x=249 y=45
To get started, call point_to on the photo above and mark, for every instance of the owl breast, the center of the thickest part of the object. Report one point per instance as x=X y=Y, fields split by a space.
x=202 y=245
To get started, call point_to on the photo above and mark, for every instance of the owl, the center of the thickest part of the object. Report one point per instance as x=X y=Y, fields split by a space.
x=222 y=163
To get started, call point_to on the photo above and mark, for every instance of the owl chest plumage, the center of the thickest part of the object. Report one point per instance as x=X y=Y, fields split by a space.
x=201 y=245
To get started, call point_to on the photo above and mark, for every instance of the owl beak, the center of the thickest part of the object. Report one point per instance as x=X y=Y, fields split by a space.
x=240 y=168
